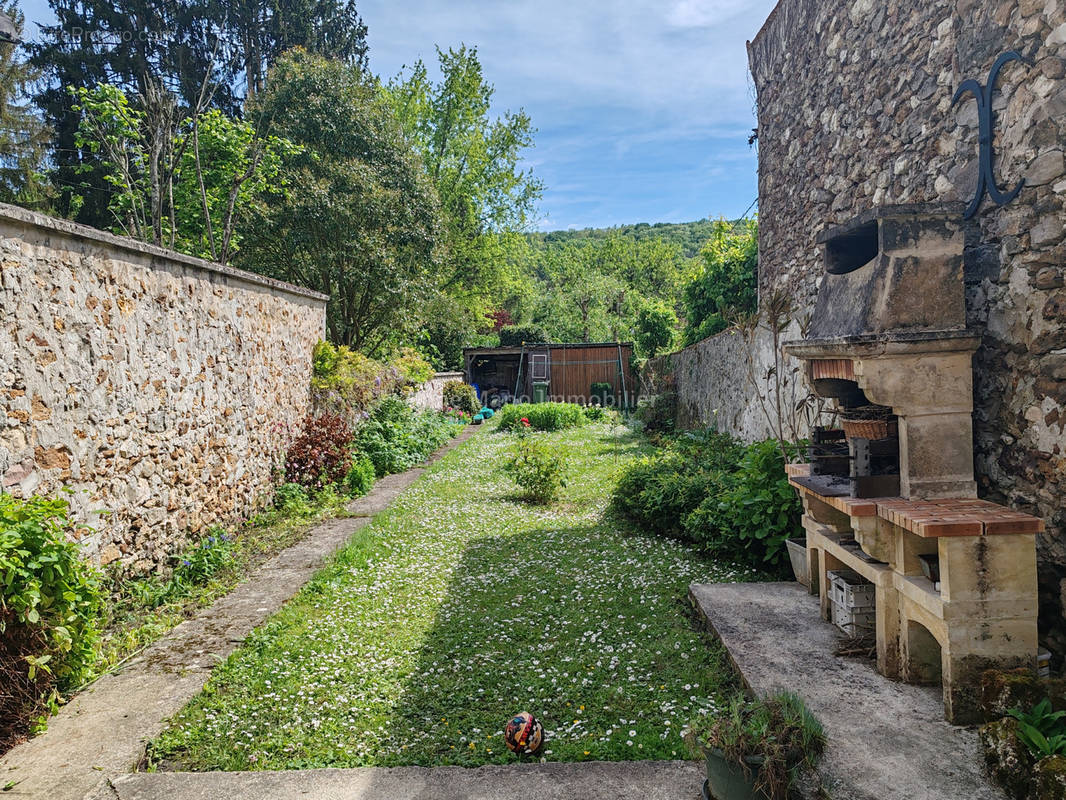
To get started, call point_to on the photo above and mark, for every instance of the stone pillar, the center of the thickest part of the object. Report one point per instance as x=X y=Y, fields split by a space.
x=990 y=612
x=932 y=394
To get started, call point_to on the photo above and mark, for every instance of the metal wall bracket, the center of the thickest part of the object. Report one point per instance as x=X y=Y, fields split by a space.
x=986 y=178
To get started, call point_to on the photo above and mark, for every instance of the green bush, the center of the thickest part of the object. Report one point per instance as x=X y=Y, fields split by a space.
x=754 y=511
x=704 y=487
x=347 y=382
x=541 y=416
x=537 y=467
x=658 y=415
x=360 y=476
x=600 y=414
x=395 y=438
x=46 y=584
x=50 y=601
x=291 y=499
x=461 y=396
x=601 y=391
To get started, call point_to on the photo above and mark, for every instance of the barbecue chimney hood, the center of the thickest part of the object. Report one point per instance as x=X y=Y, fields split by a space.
x=889 y=326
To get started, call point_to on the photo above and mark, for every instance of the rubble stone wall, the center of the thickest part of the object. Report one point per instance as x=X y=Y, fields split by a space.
x=855 y=106
x=159 y=388
x=430 y=395
x=729 y=381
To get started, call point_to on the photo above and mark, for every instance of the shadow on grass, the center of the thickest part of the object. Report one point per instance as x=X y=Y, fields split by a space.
x=573 y=625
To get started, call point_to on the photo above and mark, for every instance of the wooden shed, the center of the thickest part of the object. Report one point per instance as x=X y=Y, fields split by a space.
x=562 y=372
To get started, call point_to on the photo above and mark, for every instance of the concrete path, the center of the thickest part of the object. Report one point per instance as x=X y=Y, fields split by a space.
x=102 y=732
x=597 y=780
x=886 y=739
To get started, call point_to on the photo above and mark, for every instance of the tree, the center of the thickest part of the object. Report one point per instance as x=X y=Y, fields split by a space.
x=726 y=284
x=161 y=55
x=656 y=323
x=180 y=183
x=23 y=136
x=360 y=219
x=473 y=161
x=260 y=31
x=151 y=51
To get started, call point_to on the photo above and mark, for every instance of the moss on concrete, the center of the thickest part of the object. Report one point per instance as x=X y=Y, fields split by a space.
x=1049 y=779
x=1007 y=759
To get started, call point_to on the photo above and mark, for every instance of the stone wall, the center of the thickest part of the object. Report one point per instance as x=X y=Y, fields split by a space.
x=159 y=388
x=855 y=111
x=728 y=381
x=430 y=395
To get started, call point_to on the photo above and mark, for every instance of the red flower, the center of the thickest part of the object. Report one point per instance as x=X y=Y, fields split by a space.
x=525 y=421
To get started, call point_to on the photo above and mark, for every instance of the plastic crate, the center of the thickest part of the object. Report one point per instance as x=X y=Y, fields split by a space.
x=1043 y=663
x=853 y=621
x=849 y=589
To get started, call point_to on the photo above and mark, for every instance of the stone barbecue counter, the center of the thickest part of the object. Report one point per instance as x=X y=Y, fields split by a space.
x=963 y=516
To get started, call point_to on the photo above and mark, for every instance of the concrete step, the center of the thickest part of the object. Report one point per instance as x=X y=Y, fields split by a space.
x=887 y=739
x=595 y=780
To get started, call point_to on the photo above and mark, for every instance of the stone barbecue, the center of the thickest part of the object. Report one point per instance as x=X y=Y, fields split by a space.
x=894 y=498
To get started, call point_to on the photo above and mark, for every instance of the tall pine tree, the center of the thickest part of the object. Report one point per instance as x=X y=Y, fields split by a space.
x=23 y=137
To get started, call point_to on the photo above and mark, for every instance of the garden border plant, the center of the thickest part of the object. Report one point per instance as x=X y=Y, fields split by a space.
x=707 y=488
x=49 y=609
x=537 y=466
x=541 y=416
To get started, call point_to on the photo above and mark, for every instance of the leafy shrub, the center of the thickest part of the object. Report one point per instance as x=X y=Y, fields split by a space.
x=50 y=601
x=659 y=492
x=291 y=499
x=541 y=416
x=599 y=414
x=754 y=511
x=395 y=438
x=659 y=414
x=461 y=396
x=46 y=583
x=360 y=476
x=706 y=488
x=348 y=382
x=517 y=335
x=413 y=368
x=537 y=467
x=320 y=454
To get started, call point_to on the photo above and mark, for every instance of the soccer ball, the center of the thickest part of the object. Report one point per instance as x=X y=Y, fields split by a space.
x=524 y=734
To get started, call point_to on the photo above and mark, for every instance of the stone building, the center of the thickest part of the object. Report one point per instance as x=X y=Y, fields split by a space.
x=857 y=109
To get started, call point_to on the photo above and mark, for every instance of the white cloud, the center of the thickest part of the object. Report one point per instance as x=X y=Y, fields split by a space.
x=703 y=13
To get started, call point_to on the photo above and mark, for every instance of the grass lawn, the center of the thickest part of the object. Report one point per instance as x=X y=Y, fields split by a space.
x=458 y=607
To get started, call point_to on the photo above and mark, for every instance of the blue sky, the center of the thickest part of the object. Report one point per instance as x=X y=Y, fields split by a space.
x=643 y=107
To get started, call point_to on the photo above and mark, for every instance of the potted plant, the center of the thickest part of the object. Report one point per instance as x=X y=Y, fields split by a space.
x=754 y=751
